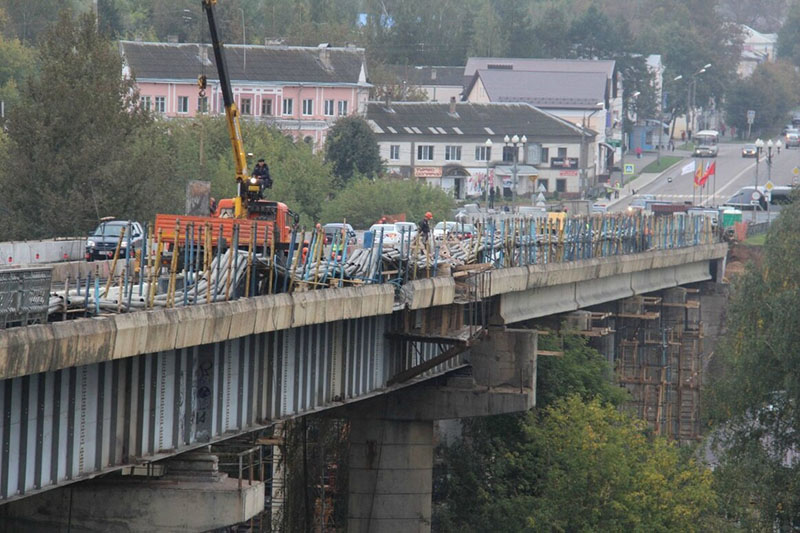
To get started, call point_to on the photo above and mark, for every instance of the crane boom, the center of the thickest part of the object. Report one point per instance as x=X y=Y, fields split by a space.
x=231 y=112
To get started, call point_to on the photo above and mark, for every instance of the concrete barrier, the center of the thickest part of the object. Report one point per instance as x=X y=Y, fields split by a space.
x=16 y=253
x=608 y=289
x=538 y=302
x=653 y=280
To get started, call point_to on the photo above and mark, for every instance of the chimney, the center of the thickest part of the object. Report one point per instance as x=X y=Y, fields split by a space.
x=325 y=54
x=452 y=105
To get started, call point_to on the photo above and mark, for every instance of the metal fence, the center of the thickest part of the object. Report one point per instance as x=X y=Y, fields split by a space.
x=24 y=296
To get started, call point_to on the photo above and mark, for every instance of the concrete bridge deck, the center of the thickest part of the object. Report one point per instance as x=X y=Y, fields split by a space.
x=92 y=395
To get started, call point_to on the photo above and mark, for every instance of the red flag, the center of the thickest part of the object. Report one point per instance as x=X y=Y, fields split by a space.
x=709 y=171
x=698 y=175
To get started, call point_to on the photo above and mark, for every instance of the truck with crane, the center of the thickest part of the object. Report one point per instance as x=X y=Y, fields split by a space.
x=266 y=222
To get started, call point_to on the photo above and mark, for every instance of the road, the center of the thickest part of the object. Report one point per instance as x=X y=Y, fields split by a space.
x=733 y=173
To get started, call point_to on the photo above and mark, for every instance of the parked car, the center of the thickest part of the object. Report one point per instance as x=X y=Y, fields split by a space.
x=407 y=230
x=789 y=128
x=453 y=228
x=391 y=237
x=102 y=242
x=335 y=228
x=792 y=139
x=749 y=150
x=639 y=203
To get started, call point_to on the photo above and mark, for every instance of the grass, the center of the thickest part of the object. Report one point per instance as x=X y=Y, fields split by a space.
x=688 y=146
x=662 y=165
x=756 y=240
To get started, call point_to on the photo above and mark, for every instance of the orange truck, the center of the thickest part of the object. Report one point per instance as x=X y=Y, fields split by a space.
x=272 y=227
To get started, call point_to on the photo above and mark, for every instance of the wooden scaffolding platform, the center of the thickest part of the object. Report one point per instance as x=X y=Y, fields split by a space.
x=659 y=360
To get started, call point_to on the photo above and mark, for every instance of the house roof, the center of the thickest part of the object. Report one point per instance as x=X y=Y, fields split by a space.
x=292 y=64
x=430 y=75
x=469 y=119
x=756 y=37
x=474 y=64
x=545 y=89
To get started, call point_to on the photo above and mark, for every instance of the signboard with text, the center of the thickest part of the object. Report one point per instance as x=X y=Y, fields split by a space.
x=563 y=162
x=427 y=172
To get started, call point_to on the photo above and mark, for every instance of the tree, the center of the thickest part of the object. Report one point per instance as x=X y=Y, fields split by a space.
x=363 y=201
x=351 y=148
x=75 y=141
x=575 y=466
x=789 y=36
x=771 y=106
x=753 y=400
x=16 y=62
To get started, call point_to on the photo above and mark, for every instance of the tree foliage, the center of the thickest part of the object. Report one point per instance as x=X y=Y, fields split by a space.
x=753 y=404
x=789 y=36
x=76 y=141
x=575 y=466
x=771 y=106
x=363 y=202
x=351 y=148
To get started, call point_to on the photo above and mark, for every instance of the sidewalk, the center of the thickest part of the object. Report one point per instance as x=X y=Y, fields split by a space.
x=640 y=181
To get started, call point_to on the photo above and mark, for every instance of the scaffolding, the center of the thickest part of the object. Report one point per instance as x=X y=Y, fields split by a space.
x=659 y=360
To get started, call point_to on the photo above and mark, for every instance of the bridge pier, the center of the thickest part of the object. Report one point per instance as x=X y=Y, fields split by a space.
x=391 y=437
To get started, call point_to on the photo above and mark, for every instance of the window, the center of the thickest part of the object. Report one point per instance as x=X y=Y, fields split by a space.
x=562 y=152
x=308 y=106
x=144 y=101
x=561 y=185
x=483 y=153
x=247 y=108
x=342 y=107
x=452 y=153
x=183 y=104
x=328 y=108
x=425 y=152
x=161 y=104
x=202 y=104
x=545 y=155
x=266 y=106
x=508 y=154
x=394 y=151
x=288 y=106
x=542 y=183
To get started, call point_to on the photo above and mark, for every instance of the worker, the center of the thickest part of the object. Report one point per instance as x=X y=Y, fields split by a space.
x=425 y=227
x=212 y=205
x=261 y=173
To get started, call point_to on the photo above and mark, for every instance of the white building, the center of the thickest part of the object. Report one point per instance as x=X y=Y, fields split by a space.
x=446 y=145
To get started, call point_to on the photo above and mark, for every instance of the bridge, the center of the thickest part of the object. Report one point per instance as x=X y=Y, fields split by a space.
x=91 y=396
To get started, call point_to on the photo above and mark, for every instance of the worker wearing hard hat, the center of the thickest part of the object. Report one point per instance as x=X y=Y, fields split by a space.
x=424 y=226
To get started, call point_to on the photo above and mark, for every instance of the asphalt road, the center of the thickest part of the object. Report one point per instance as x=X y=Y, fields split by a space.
x=733 y=173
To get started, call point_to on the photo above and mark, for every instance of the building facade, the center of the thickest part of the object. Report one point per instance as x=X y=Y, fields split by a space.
x=446 y=146
x=583 y=92
x=300 y=90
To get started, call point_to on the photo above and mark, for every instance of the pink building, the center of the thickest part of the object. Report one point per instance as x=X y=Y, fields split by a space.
x=301 y=90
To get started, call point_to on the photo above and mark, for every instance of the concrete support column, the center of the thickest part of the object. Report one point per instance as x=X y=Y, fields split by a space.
x=390 y=476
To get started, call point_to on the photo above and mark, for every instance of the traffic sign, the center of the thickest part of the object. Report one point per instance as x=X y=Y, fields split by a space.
x=540 y=198
x=751 y=116
x=795 y=180
x=755 y=195
x=541 y=188
x=629 y=169
x=796 y=171
x=769 y=185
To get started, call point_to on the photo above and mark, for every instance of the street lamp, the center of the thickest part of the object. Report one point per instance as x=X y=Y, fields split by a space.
x=515 y=142
x=759 y=147
x=584 y=156
x=488 y=145
x=624 y=139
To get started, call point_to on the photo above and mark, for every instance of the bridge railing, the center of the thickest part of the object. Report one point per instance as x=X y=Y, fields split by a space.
x=194 y=275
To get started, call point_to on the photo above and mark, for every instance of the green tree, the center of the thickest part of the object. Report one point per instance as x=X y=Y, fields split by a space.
x=363 y=201
x=576 y=466
x=789 y=36
x=771 y=106
x=16 y=62
x=753 y=400
x=76 y=141
x=351 y=148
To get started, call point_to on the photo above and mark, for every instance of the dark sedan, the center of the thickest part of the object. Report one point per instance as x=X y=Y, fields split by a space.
x=749 y=150
x=102 y=242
